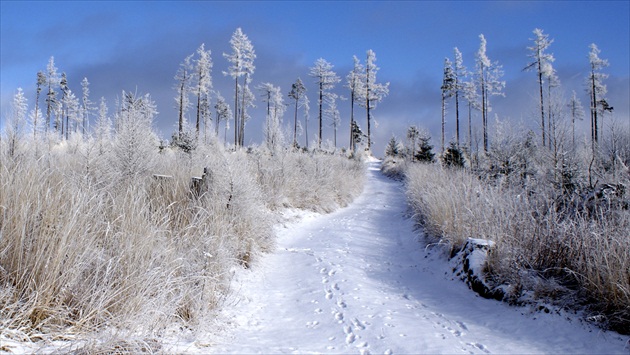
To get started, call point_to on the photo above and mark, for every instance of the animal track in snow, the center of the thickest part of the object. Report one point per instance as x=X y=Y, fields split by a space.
x=350 y=338
x=358 y=323
x=339 y=316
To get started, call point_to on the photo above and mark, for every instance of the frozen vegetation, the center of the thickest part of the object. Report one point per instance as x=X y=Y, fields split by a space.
x=96 y=237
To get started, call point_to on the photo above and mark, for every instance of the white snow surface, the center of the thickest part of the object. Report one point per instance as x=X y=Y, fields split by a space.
x=360 y=280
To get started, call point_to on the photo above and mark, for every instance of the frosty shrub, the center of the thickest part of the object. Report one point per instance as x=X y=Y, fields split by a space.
x=117 y=235
x=317 y=181
x=546 y=242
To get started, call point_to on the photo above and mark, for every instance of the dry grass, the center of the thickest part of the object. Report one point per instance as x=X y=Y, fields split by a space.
x=84 y=247
x=575 y=259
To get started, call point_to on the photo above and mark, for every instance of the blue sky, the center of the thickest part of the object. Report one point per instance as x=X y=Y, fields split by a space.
x=138 y=45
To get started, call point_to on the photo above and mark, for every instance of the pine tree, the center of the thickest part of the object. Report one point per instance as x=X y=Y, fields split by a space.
x=326 y=79
x=223 y=113
x=298 y=90
x=488 y=75
x=448 y=89
x=41 y=81
x=425 y=150
x=541 y=62
x=59 y=123
x=577 y=112
x=86 y=105
x=459 y=73
x=242 y=64
x=332 y=113
x=453 y=156
x=203 y=70
x=373 y=91
x=596 y=89
x=15 y=127
x=412 y=137
x=182 y=87
x=393 y=148
x=52 y=81
x=354 y=83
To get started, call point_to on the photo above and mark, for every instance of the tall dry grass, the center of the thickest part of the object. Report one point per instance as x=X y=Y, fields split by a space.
x=574 y=258
x=85 y=247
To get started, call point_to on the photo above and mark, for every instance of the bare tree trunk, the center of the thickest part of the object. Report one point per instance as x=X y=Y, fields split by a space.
x=321 y=101
x=295 y=123
x=443 y=124
x=351 y=145
x=236 y=112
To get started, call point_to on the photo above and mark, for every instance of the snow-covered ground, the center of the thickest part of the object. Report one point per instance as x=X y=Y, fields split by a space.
x=359 y=281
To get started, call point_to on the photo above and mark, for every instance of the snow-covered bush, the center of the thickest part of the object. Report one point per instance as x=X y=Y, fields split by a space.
x=316 y=181
x=574 y=255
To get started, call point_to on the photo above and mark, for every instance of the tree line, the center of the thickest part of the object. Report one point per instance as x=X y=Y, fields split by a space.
x=477 y=86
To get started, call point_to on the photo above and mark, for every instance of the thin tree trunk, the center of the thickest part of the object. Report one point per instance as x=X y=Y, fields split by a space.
x=321 y=101
x=351 y=145
x=457 y=113
x=295 y=122
x=236 y=112
x=443 y=114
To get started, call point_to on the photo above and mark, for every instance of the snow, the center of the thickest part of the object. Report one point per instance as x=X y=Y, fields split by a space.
x=359 y=281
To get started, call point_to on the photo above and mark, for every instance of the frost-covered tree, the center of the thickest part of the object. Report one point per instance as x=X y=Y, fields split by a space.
x=541 y=62
x=448 y=89
x=326 y=79
x=135 y=146
x=459 y=73
x=412 y=136
x=87 y=105
x=52 y=81
x=275 y=110
x=373 y=92
x=488 y=80
x=41 y=81
x=241 y=64
x=247 y=99
x=59 y=120
x=553 y=107
x=471 y=95
x=103 y=127
x=332 y=113
x=424 y=154
x=577 y=113
x=223 y=113
x=393 y=148
x=307 y=109
x=203 y=71
x=357 y=134
x=183 y=79
x=17 y=121
x=596 y=89
x=72 y=111
x=354 y=83
x=297 y=93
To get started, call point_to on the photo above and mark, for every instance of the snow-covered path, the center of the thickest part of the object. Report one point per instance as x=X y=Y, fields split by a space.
x=358 y=281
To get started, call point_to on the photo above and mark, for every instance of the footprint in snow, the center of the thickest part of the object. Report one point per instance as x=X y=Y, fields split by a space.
x=357 y=323
x=350 y=338
x=339 y=316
